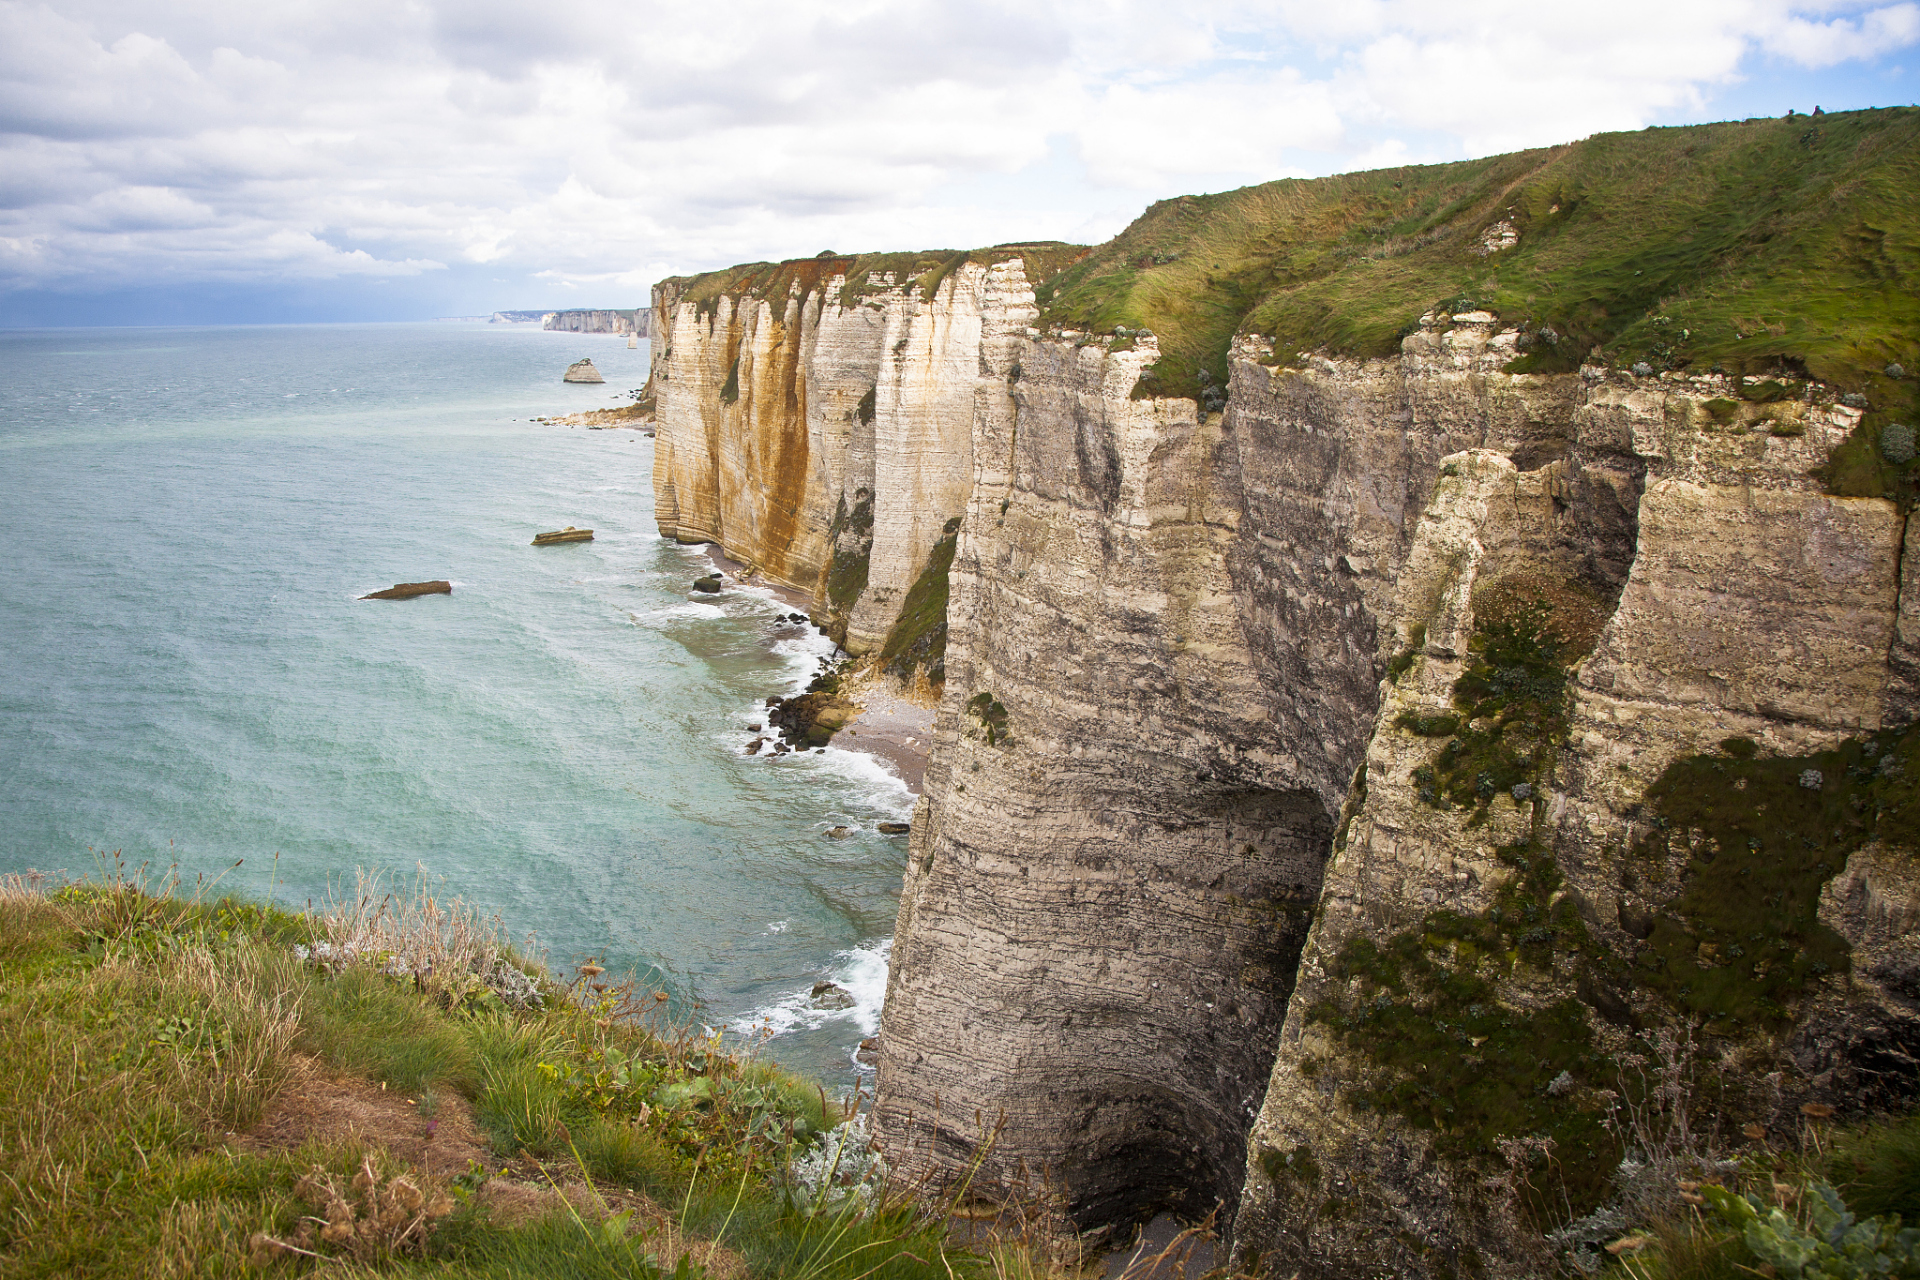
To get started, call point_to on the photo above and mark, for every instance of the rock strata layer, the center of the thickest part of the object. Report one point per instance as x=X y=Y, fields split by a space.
x=1268 y=731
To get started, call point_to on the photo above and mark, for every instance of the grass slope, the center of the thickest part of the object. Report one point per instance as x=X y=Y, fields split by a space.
x=143 y=1037
x=1745 y=245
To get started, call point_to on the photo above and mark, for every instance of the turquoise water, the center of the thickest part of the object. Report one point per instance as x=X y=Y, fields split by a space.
x=191 y=679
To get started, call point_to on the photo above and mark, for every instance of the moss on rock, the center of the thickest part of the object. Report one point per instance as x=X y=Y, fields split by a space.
x=1757 y=838
x=918 y=640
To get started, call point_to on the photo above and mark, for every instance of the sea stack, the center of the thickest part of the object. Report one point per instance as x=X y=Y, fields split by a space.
x=408 y=590
x=583 y=371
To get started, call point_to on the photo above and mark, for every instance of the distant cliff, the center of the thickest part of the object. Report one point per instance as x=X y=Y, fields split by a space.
x=815 y=419
x=616 y=322
x=1412 y=642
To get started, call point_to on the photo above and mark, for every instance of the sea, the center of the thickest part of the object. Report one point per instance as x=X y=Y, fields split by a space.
x=194 y=687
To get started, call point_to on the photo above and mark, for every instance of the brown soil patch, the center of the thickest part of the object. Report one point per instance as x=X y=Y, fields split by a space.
x=331 y=1108
x=320 y=1106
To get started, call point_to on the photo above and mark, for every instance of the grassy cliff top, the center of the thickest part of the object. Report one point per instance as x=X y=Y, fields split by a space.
x=1750 y=245
x=194 y=1088
x=924 y=269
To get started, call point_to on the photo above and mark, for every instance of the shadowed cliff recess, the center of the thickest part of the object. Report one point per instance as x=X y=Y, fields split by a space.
x=1415 y=643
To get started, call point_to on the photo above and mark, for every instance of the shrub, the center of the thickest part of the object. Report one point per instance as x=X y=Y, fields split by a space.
x=1896 y=443
x=1831 y=1245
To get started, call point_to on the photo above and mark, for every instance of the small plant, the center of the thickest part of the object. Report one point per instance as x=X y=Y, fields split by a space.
x=1830 y=1244
x=1428 y=726
x=375 y=1217
x=842 y=1171
x=1896 y=443
x=1403 y=660
x=986 y=709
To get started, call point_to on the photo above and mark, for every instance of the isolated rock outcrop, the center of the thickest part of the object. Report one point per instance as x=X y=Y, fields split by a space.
x=408 y=590
x=582 y=371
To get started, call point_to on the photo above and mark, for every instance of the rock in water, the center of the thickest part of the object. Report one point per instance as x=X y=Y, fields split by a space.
x=568 y=534
x=408 y=590
x=831 y=995
x=895 y=828
x=583 y=371
x=709 y=584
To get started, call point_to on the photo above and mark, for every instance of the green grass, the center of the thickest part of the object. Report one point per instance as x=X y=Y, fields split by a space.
x=918 y=639
x=1877 y=1168
x=1755 y=246
x=924 y=270
x=138 y=1032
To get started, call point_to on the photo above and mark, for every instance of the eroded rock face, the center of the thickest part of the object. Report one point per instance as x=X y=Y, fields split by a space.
x=1183 y=623
x=825 y=444
x=1755 y=608
x=1103 y=772
x=1203 y=749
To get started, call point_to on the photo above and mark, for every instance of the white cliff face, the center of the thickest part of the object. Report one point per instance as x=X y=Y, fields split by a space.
x=775 y=412
x=1755 y=607
x=1185 y=623
x=1148 y=851
x=1105 y=807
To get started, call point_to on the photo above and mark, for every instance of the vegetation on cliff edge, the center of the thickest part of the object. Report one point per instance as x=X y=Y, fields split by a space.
x=918 y=639
x=1479 y=1026
x=864 y=274
x=1752 y=245
x=216 y=1088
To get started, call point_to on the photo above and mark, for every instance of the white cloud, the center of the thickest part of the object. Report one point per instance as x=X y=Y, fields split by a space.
x=605 y=143
x=1813 y=43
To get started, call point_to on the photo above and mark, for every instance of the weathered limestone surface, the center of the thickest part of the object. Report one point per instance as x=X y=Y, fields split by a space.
x=1755 y=606
x=776 y=414
x=1183 y=622
x=1131 y=801
x=1145 y=836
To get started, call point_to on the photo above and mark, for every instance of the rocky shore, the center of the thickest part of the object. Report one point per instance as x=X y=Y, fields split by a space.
x=880 y=719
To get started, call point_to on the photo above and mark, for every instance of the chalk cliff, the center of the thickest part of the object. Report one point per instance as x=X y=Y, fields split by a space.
x=815 y=418
x=635 y=322
x=1401 y=664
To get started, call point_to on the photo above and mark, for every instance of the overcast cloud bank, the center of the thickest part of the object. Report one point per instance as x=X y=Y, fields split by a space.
x=388 y=160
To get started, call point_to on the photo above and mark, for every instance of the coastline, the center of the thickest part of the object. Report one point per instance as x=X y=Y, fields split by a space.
x=891 y=727
x=637 y=416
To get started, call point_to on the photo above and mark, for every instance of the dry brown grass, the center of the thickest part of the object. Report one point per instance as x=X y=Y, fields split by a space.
x=451 y=949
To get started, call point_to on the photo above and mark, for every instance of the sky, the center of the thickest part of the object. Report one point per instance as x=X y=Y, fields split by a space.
x=336 y=160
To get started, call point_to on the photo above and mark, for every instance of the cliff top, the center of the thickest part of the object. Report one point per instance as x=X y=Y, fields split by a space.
x=390 y=1069
x=1762 y=245
x=924 y=269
